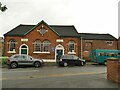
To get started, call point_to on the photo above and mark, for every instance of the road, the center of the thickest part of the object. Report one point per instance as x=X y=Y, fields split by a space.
x=89 y=76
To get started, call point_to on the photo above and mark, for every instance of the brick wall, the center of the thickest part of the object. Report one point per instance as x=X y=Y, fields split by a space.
x=113 y=70
x=1 y=46
x=119 y=43
x=89 y=45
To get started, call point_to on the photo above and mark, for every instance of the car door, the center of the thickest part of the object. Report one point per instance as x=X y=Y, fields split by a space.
x=20 y=60
x=76 y=60
x=30 y=60
x=71 y=60
x=24 y=60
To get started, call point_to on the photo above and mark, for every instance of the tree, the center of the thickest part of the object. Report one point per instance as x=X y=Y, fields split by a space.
x=3 y=8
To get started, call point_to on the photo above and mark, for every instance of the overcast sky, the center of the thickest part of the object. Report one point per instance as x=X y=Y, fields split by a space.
x=88 y=16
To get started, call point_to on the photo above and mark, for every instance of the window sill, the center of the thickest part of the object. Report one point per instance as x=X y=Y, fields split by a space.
x=42 y=52
x=71 y=53
x=11 y=52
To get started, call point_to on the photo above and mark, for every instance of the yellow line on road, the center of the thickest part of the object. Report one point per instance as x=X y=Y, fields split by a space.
x=47 y=76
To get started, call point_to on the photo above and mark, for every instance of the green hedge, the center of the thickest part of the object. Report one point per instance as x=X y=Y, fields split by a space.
x=3 y=60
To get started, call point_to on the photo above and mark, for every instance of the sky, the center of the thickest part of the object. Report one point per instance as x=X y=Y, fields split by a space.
x=88 y=16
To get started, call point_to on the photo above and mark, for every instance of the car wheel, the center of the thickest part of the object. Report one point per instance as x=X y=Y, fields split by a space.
x=13 y=65
x=82 y=63
x=37 y=64
x=65 y=64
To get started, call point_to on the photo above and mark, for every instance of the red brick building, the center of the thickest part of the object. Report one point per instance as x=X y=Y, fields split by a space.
x=50 y=41
x=42 y=40
x=91 y=41
x=1 y=46
x=119 y=43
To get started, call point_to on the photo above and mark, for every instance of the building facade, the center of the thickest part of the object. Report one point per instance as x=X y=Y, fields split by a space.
x=91 y=41
x=49 y=42
x=1 y=46
x=42 y=41
x=119 y=43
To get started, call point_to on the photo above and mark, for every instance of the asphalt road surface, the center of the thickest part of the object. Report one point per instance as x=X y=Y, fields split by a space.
x=89 y=76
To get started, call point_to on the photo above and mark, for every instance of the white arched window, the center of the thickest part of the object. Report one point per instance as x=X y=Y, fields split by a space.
x=71 y=46
x=37 y=46
x=46 y=46
x=12 y=45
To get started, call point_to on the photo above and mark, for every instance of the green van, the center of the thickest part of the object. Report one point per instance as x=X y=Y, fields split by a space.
x=100 y=56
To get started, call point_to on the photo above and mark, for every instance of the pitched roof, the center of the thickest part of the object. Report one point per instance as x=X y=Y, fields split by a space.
x=61 y=30
x=19 y=30
x=94 y=36
x=65 y=31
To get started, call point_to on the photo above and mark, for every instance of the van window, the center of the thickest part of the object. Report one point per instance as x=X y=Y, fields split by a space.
x=102 y=54
x=118 y=54
x=112 y=54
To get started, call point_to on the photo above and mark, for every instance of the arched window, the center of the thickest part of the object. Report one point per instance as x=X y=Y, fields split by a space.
x=71 y=46
x=37 y=46
x=46 y=46
x=12 y=44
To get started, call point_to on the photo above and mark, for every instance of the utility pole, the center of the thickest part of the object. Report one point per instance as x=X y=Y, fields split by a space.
x=81 y=48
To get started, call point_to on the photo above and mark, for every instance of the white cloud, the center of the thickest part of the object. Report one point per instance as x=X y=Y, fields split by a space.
x=99 y=16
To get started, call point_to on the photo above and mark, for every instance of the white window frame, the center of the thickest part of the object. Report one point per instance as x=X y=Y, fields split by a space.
x=109 y=42
x=9 y=45
x=73 y=51
x=48 y=46
x=42 y=48
x=39 y=46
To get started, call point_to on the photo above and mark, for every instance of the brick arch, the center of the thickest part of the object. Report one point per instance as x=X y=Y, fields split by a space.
x=27 y=48
x=59 y=47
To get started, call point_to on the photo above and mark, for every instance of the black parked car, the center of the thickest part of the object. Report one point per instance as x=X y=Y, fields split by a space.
x=66 y=60
x=23 y=60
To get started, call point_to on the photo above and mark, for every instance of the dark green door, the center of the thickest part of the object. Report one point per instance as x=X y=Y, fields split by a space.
x=59 y=53
x=24 y=49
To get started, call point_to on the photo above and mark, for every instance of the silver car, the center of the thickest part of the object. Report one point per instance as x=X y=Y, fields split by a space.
x=25 y=60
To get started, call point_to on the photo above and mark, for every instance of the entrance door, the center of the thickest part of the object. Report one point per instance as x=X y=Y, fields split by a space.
x=24 y=49
x=59 y=51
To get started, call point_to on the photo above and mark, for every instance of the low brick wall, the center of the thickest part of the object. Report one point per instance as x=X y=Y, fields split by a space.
x=113 y=70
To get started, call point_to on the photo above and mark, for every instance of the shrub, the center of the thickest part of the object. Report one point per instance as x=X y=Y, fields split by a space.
x=3 y=60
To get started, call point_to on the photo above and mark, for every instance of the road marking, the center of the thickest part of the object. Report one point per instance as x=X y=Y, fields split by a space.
x=20 y=71
x=49 y=75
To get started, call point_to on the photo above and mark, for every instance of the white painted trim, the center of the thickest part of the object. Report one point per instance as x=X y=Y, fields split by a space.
x=49 y=60
x=24 y=39
x=57 y=48
x=71 y=53
x=59 y=40
x=11 y=51
x=41 y=52
x=26 y=46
